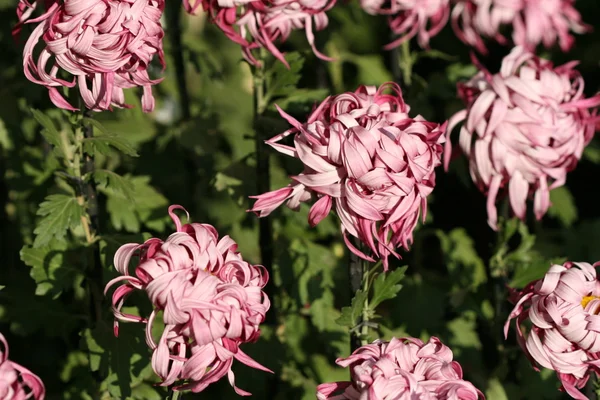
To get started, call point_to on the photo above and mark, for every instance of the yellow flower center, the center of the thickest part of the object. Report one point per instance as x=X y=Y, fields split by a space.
x=587 y=299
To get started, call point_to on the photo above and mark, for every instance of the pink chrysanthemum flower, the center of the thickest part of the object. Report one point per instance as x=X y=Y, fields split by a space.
x=364 y=156
x=526 y=127
x=410 y=18
x=211 y=299
x=533 y=22
x=401 y=369
x=17 y=382
x=563 y=310
x=106 y=46
x=262 y=23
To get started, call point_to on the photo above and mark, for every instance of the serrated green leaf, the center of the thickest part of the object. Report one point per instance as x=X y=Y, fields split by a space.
x=301 y=98
x=464 y=334
x=121 y=214
x=103 y=142
x=563 y=206
x=351 y=315
x=281 y=80
x=49 y=132
x=321 y=311
x=224 y=182
x=117 y=358
x=50 y=269
x=386 y=286
x=59 y=212
x=531 y=271
x=114 y=183
x=464 y=264
x=140 y=209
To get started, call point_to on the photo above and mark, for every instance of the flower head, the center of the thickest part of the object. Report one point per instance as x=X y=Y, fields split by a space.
x=364 y=156
x=563 y=309
x=526 y=127
x=17 y=382
x=212 y=301
x=401 y=369
x=410 y=18
x=533 y=22
x=106 y=46
x=262 y=23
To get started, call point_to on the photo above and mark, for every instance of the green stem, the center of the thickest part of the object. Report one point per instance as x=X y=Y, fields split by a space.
x=364 y=330
x=359 y=274
x=90 y=194
x=173 y=15
x=263 y=177
x=406 y=63
x=175 y=395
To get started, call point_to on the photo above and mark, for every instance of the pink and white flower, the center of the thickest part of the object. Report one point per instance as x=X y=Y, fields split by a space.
x=364 y=156
x=104 y=45
x=533 y=22
x=212 y=302
x=525 y=129
x=401 y=369
x=563 y=310
x=17 y=382
x=263 y=23
x=410 y=18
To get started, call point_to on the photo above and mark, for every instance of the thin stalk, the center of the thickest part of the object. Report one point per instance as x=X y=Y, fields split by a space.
x=359 y=280
x=364 y=330
x=263 y=177
x=175 y=394
x=91 y=226
x=173 y=15
x=406 y=63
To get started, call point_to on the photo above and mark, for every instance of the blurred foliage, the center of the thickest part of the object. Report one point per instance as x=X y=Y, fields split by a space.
x=458 y=271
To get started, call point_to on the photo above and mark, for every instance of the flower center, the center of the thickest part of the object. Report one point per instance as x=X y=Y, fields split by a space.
x=585 y=301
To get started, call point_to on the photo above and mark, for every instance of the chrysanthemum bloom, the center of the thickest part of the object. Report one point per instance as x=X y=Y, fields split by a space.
x=563 y=310
x=526 y=127
x=262 y=23
x=211 y=299
x=402 y=369
x=106 y=46
x=533 y=22
x=17 y=382
x=410 y=18
x=364 y=156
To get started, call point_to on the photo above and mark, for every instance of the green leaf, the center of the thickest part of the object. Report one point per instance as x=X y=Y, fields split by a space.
x=59 y=212
x=592 y=152
x=103 y=142
x=371 y=68
x=5 y=141
x=495 y=390
x=50 y=269
x=321 y=311
x=435 y=54
x=114 y=183
x=531 y=271
x=301 y=100
x=464 y=332
x=563 y=206
x=463 y=262
x=223 y=182
x=281 y=80
x=351 y=315
x=146 y=206
x=386 y=286
x=49 y=132
x=122 y=360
